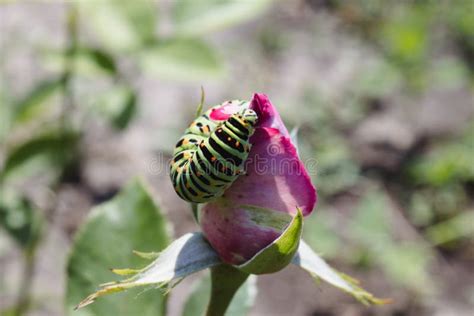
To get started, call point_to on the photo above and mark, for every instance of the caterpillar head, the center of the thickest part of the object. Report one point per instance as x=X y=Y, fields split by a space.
x=250 y=118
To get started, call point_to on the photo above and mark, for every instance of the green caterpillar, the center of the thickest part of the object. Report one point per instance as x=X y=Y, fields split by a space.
x=211 y=154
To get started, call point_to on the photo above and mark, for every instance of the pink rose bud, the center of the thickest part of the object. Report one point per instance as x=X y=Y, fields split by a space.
x=258 y=206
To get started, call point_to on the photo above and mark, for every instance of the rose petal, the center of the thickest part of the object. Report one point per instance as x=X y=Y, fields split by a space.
x=276 y=182
x=275 y=177
x=267 y=114
x=233 y=232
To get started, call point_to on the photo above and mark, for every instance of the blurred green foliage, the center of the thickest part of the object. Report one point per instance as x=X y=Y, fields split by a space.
x=419 y=46
x=109 y=45
x=453 y=229
x=446 y=163
x=405 y=261
x=53 y=150
x=198 y=17
x=121 y=25
x=182 y=58
x=433 y=186
x=409 y=32
x=130 y=221
x=115 y=30
x=20 y=219
x=367 y=240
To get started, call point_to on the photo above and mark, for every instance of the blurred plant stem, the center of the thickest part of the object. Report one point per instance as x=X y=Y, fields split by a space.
x=24 y=292
x=67 y=77
x=24 y=296
x=225 y=281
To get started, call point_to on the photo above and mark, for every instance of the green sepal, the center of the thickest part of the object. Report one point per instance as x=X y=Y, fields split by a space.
x=278 y=254
x=201 y=103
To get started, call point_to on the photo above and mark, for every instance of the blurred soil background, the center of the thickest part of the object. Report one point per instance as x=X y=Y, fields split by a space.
x=380 y=91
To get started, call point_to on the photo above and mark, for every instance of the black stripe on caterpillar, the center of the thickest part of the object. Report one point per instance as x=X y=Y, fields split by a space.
x=211 y=154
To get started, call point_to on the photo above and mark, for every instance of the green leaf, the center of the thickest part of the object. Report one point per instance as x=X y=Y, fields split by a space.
x=37 y=100
x=20 y=219
x=308 y=260
x=278 y=254
x=198 y=17
x=460 y=226
x=118 y=106
x=121 y=25
x=53 y=149
x=86 y=61
x=241 y=303
x=112 y=230
x=189 y=254
x=182 y=59
x=123 y=118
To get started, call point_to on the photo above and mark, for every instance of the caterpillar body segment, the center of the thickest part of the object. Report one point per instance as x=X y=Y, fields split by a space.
x=211 y=155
